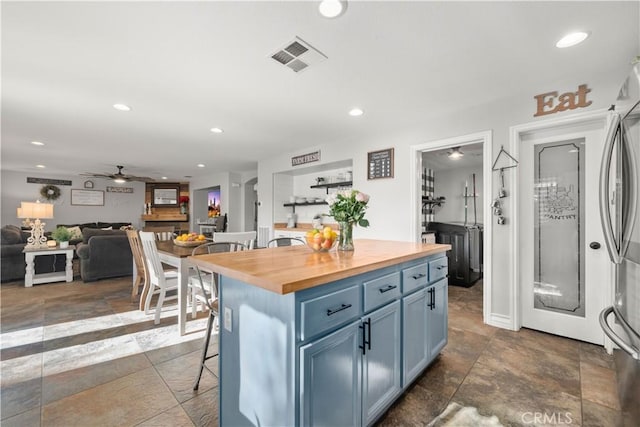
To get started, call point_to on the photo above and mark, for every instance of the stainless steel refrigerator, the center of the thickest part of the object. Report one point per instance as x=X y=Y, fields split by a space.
x=619 y=188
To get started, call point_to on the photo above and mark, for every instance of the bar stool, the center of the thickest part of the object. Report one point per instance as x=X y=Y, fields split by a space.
x=208 y=296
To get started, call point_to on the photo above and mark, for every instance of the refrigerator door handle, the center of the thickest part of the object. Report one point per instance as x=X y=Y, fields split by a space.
x=627 y=348
x=605 y=211
x=630 y=215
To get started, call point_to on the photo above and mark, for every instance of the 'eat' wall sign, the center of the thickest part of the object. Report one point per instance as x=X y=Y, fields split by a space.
x=550 y=102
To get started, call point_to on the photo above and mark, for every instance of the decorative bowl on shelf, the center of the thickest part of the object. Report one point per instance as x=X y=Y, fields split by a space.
x=321 y=240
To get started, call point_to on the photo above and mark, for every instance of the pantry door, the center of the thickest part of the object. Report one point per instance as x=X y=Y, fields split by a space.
x=564 y=268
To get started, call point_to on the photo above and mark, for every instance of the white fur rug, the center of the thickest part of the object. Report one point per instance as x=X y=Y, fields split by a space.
x=463 y=416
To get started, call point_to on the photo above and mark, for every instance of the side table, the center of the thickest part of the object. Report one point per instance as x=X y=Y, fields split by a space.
x=30 y=278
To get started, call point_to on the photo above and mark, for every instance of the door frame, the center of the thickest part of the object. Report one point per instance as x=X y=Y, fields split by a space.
x=415 y=186
x=516 y=134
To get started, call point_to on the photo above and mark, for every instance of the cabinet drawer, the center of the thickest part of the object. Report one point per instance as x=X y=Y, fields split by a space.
x=414 y=277
x=438 y=269
x=327 y=311
x=379 y=291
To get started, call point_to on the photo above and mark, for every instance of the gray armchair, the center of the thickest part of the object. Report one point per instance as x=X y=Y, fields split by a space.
x=104 y=254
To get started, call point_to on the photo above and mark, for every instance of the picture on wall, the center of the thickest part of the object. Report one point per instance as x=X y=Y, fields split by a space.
x=213 y=203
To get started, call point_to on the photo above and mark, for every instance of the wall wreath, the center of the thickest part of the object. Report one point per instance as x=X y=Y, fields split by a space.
x=50 y=192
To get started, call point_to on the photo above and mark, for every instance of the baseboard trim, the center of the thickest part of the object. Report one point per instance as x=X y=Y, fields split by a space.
x=501 y=321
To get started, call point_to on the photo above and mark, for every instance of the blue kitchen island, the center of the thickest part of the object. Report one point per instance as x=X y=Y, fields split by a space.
x=330 y=338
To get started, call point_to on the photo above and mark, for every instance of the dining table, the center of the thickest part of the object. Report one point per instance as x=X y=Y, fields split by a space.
x=176 y=256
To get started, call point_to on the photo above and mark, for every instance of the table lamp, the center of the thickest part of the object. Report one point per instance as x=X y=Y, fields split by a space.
x=37 y=211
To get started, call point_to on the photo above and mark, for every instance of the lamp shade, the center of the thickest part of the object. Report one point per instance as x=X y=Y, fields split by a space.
x=35 y=210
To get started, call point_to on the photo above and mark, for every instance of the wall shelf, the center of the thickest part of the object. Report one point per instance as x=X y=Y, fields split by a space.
x=165 y=217
x=426 y=201
x=333 y=185
x=293 y=205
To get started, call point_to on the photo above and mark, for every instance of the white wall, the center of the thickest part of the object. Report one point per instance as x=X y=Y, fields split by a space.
x=450 y=183
x=390 y=210
x=231 y=197
x=118 y=207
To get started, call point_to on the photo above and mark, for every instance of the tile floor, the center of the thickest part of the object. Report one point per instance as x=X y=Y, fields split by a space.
x=76 y=354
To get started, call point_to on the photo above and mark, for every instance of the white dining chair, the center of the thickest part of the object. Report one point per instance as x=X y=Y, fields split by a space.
x=160 y=281
x=162 y=233
x=247 y=238
x=196 y=295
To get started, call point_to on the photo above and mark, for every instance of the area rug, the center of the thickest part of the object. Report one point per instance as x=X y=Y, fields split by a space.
x=463 y=416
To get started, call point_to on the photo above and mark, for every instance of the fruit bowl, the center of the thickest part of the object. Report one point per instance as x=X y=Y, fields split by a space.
x=189 y=240
x=188 y=243
x=321 y=240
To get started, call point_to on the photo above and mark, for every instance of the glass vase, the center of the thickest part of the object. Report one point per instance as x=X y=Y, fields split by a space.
x=345 y=240
x=183 y=209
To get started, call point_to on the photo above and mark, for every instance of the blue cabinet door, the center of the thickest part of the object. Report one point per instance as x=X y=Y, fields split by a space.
x=414 y=335
x=437 y=319
x=330 y=384
x=380 y=361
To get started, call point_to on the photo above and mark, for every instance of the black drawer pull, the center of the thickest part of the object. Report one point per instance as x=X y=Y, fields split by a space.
x=418 y=276
x=335 y=310
x=387 y=288
x=440 y=267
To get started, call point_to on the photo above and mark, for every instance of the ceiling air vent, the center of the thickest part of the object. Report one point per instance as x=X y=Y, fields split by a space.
x=297 y=65
x=298 y=55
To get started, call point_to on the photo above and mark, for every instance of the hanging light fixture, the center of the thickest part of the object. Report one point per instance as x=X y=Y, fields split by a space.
x=332 y=8
x=455 y=153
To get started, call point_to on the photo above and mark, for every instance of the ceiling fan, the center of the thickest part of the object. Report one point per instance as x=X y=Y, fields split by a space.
x=119 y=177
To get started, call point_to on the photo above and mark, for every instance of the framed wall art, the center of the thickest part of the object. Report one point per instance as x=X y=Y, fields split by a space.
x=380 y=164
x=87 y=197
x=165 y=195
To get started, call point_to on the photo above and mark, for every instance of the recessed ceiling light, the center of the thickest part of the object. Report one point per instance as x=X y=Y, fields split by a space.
x=200 y=165
x=572 y=39
x=40 y=166
x=216 y=130
x=355 y=112
x=164 y=177
x=121 y=107
x=37 y=143
x=332 y=8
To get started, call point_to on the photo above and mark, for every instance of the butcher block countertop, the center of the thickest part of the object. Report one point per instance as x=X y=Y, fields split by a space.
x=294 y=268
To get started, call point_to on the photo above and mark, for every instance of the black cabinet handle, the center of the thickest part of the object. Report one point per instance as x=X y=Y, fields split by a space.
x=418 y=276
x=366 y=343
x=432 y=299
x=387 y=288
x=343 y=306
x=440 y=267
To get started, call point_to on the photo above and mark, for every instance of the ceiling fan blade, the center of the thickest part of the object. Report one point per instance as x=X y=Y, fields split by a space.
x=138 y=178
x=96 y=175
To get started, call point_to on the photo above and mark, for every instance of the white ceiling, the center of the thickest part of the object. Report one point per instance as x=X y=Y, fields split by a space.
x=185 y=67
x=439 y=159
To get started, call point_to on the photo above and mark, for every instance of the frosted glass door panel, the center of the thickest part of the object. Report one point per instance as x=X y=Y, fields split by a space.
x=559 y=227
